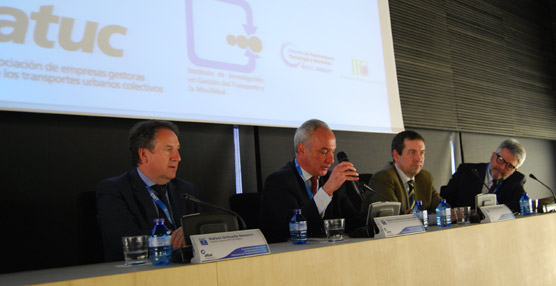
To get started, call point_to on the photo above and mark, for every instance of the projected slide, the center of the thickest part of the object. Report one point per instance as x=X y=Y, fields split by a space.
x=270 y=63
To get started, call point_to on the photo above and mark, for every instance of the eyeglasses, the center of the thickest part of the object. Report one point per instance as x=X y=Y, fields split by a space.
x=501 y=160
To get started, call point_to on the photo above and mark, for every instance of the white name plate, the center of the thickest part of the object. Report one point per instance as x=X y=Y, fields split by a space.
x=549 y=208
x=496 y=213
x=391 y=226
x=228 y=245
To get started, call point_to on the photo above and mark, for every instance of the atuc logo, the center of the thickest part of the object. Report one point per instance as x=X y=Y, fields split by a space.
x=45 y=21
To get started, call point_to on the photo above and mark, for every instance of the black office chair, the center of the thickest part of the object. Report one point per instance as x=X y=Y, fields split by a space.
x=365 y=178
x=247 y=205
x=88 y=231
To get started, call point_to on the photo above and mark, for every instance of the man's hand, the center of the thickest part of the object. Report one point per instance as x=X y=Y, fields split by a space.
x=344 y=171
x=177 y=238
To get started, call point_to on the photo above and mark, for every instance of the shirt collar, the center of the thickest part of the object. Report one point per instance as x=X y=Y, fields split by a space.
x=488 y=177
x=145 y=179
x=306 y=175
x=402 y=175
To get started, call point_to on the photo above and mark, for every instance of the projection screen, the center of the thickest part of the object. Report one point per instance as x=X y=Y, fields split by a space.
x=267 y=63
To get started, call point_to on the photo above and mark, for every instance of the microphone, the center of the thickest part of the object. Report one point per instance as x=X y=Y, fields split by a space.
x=342 y=157
x=476 y=173
x=375 y=192
x=189 y=197
x=535 y=178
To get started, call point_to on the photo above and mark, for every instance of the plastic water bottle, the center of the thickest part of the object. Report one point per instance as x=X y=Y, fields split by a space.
x=525 y=204
x=421 y=213
x=443 y=214
x=298 y=228
x=160 y=243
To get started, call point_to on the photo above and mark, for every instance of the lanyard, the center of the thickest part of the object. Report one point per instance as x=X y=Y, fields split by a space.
x=488 y=179
x=309 y=192
x=161 y=205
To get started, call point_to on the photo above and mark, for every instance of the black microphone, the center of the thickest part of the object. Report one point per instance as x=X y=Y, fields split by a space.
x=375 y=192
x=342 y=157
x=535 y=178
x=476 y=173
x=189 y=197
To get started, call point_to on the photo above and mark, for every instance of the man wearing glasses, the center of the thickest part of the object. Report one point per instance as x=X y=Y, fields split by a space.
x=499 y=176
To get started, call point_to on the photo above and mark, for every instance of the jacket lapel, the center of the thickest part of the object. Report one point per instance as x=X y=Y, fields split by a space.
x=402 y=194
x=141 y=194
x=482 y=173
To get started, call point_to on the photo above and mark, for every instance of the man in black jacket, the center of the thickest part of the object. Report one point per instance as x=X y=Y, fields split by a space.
x=499 y=176
x=128 y=204
x=307 y=184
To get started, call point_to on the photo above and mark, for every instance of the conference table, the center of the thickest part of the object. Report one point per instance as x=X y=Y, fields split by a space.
x=514 y=252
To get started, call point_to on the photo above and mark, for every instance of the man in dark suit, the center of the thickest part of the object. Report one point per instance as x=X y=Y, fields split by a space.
x=307 y=184
x=499 y=176
x=404 y=180
x=128 y=204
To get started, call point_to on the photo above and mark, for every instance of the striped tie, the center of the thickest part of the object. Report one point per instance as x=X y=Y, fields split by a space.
x=411 y=185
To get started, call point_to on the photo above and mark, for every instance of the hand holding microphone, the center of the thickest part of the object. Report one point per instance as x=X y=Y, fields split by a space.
x=359 y=187
x=344 y=171
x=342 y=157
x=341 y=173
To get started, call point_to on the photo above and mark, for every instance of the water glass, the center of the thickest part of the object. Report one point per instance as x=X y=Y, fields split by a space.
x=334 y=229
x=136 y=249
x=462 y=215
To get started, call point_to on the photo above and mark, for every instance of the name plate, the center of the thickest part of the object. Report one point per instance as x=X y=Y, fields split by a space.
x=391 y=226
x=549 y=208
x=496 y=213
x=228 y=245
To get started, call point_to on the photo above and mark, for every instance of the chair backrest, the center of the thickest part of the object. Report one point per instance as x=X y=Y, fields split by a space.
x=365 y=178
x=247 y=205
x=88 y=234
x=207 y=223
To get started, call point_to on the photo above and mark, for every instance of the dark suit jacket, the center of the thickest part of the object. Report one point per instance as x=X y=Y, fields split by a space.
x=284 y=191
x=125 y=208
x=388 y=183
x=464 y=185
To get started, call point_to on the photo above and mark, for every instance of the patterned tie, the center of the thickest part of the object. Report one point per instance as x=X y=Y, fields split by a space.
x=314 y=184
x=161 y=194
x=493 y=187
x=411 y=185
x=160 y=191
